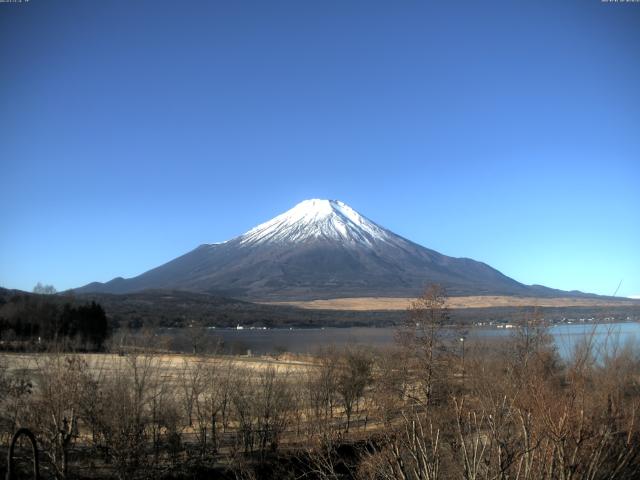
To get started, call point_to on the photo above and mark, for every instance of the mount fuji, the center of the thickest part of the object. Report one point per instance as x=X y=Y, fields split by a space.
x=320 y=249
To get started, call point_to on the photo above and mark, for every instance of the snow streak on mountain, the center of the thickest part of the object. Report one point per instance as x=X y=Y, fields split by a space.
x=318 y=219
x=320 y=249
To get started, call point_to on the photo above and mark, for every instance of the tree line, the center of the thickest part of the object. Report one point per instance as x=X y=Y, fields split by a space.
x=37 y=319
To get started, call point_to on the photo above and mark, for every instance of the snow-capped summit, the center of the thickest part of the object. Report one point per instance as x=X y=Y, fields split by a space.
x=317 y=219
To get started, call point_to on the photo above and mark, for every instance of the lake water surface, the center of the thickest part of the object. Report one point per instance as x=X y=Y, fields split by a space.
x=566 y=337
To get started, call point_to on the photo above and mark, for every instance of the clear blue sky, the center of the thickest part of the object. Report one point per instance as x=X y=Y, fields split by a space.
x=133 y=131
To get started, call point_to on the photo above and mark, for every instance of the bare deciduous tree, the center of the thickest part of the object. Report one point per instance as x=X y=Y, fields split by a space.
x=423 y=337
x=44 y=289
x=56 y=406
x=354 y=376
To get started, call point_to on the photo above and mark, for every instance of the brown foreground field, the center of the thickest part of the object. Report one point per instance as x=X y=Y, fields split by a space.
x=386 y=303
x=423 y=410
x=169 y=365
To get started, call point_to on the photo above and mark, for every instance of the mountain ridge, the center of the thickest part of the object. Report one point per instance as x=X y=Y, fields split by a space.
x=320 y=249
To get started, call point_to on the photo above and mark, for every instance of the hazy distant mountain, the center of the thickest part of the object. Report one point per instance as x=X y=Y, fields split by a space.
x=320 y=249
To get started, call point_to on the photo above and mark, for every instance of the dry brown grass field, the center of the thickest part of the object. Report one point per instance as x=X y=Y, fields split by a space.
x=168 y=365
x=386 y=303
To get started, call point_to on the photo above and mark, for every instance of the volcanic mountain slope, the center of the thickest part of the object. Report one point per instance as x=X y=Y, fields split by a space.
x=320 y=249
